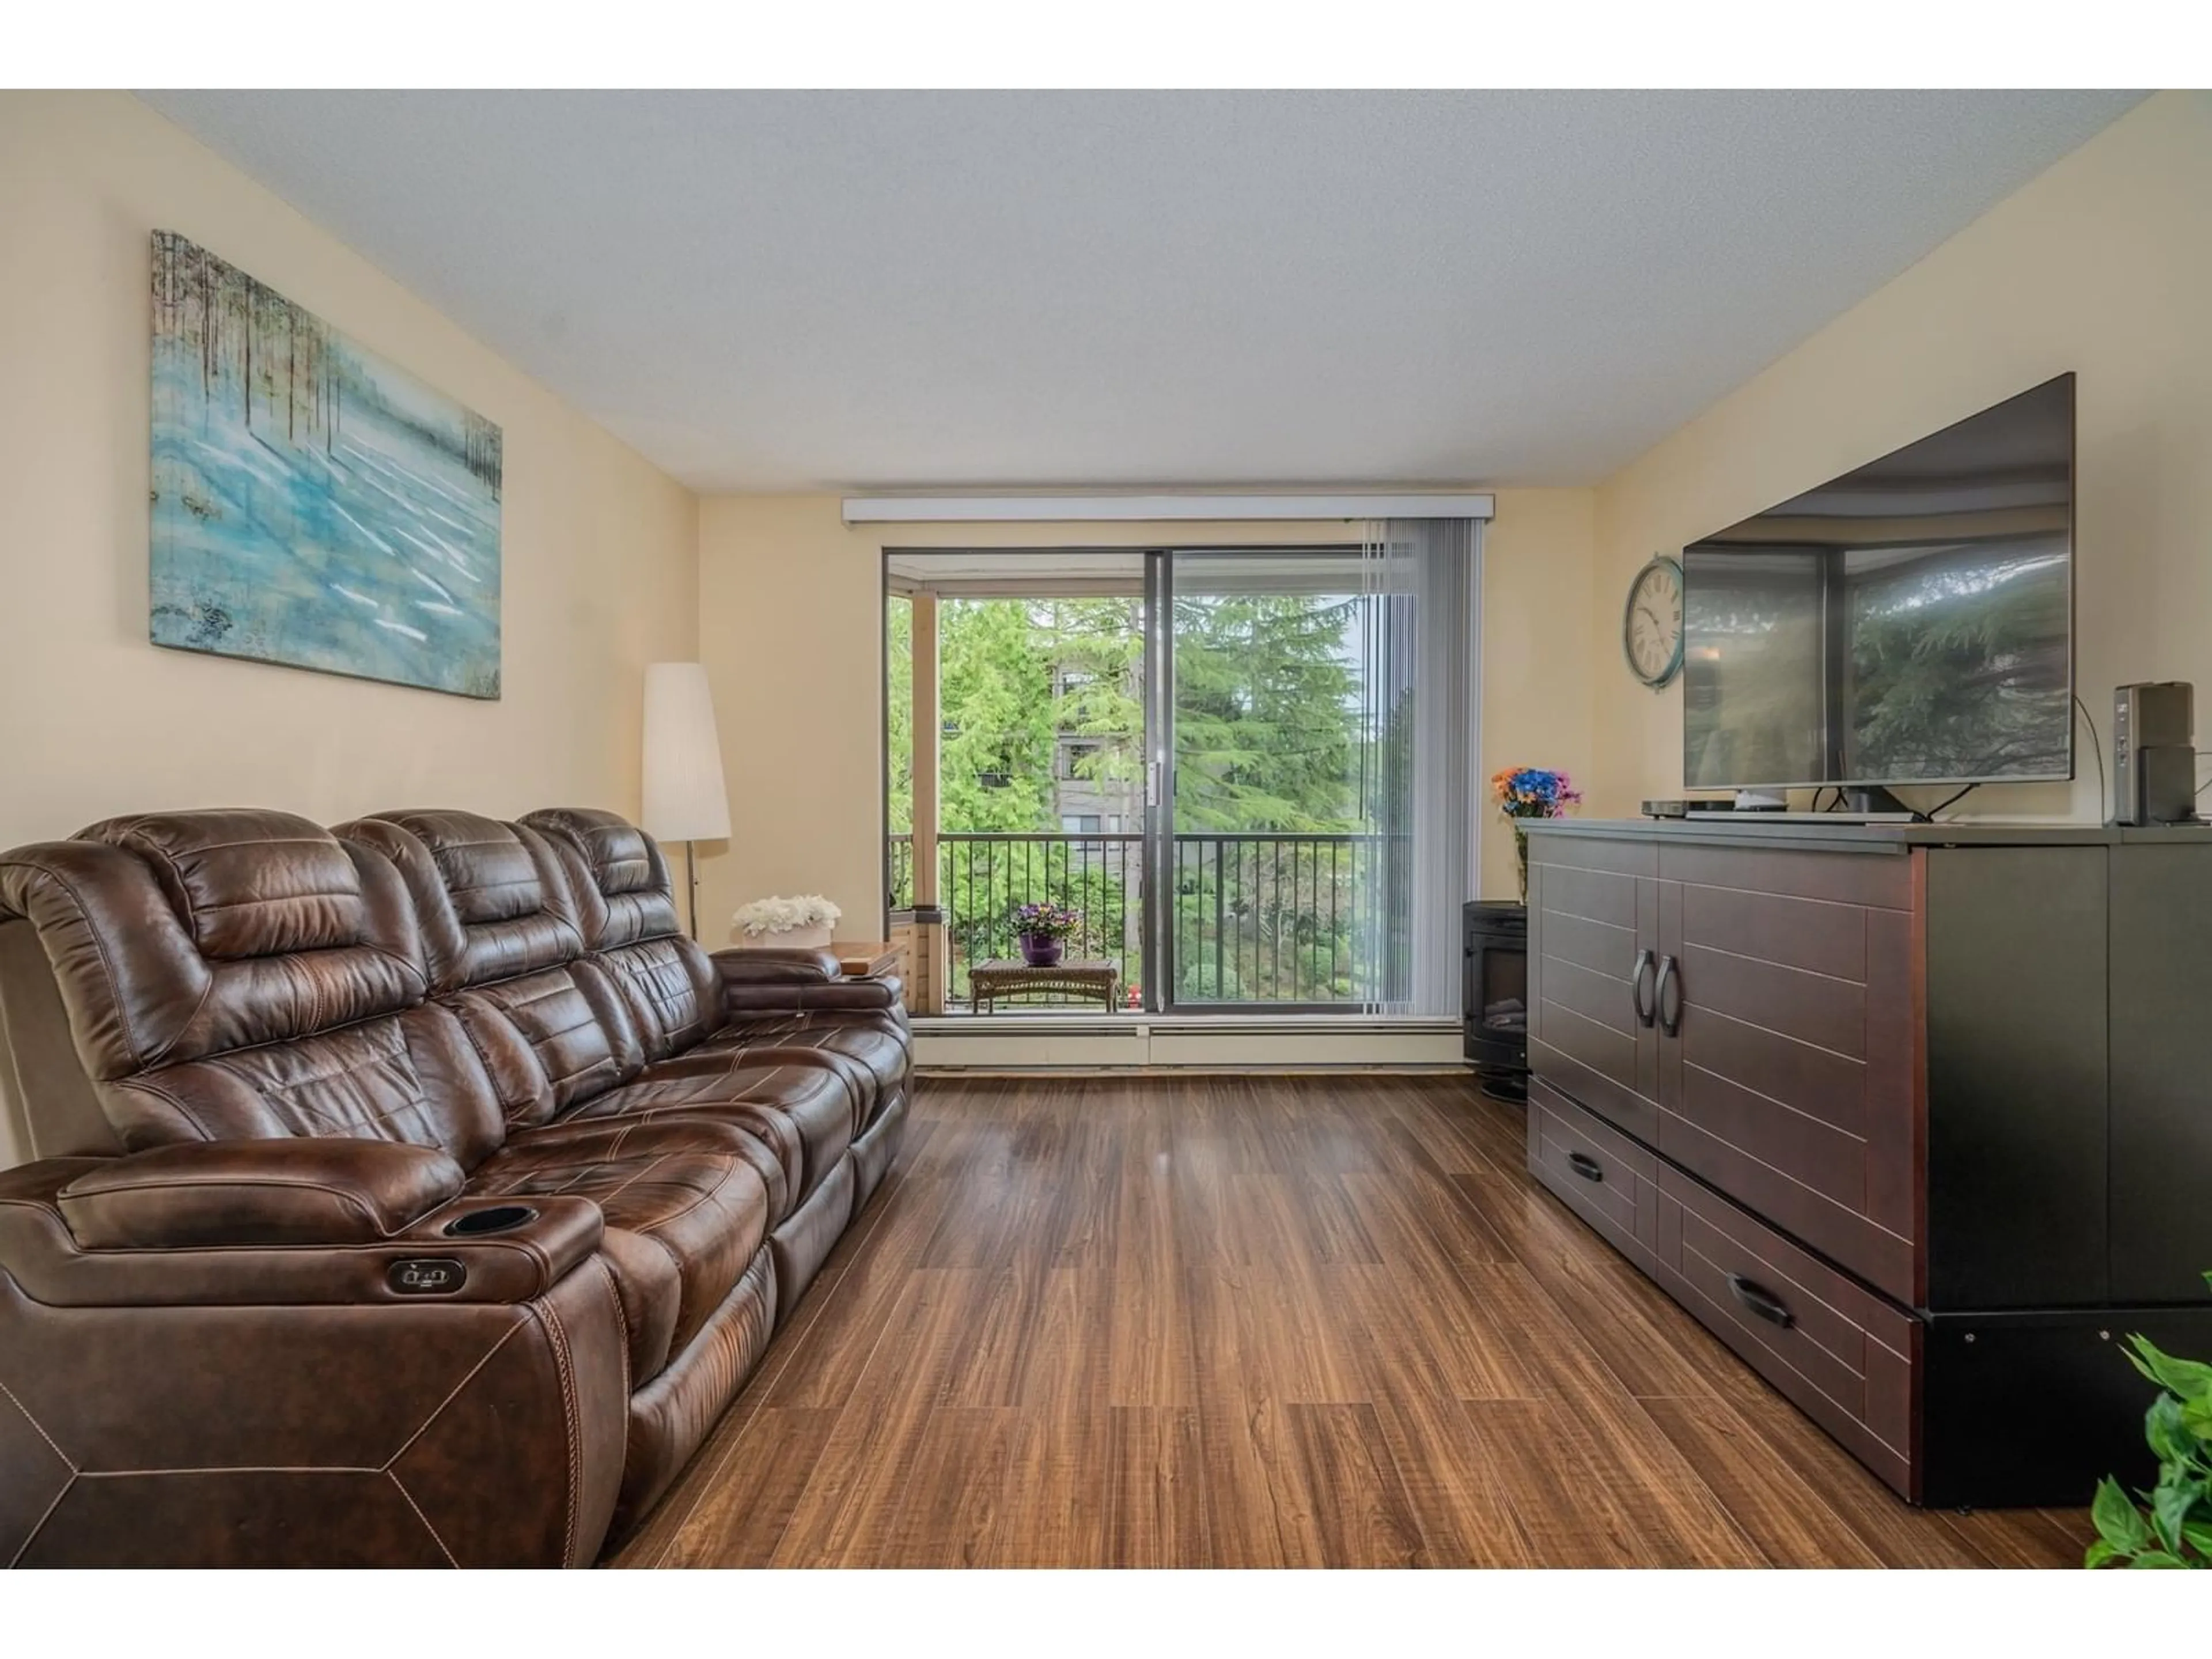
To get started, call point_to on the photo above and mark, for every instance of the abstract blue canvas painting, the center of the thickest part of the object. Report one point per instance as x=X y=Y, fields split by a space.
x=313 y=505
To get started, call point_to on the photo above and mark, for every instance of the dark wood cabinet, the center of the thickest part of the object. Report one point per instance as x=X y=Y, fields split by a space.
x=1593 y=967
x=2160 y=1149
x=1881 y=1076
x=1750 y=1017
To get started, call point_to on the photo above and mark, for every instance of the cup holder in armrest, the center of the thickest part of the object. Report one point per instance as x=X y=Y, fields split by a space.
x=499 y=1218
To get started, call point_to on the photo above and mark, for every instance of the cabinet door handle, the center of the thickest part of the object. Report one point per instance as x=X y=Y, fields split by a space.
x=1646 y=1012
x=1585 y=1166
x=1669 y=974
x=1760 y=1301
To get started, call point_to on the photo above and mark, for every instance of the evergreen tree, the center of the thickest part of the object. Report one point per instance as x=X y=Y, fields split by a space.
x=1264 y=718
x=1098 y=646
x=995 y=693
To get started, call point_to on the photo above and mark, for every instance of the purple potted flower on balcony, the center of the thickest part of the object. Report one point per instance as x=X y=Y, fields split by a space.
x=1044 y=929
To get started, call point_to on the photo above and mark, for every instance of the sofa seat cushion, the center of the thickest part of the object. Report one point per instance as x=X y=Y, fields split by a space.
x=686 y=1206
x=803 y=1107
x=867 y=1041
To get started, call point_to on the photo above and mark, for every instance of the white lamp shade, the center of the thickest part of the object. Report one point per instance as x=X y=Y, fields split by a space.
x=684 y=799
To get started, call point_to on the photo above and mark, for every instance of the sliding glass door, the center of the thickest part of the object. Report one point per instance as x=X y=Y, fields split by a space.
x=1311 y=709
x=1266 y=860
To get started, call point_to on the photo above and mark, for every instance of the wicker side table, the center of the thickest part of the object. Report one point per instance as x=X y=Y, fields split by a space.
x=990 y=981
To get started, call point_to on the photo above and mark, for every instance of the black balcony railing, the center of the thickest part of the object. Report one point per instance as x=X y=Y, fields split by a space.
x=1276 y=919
x=1257 y=919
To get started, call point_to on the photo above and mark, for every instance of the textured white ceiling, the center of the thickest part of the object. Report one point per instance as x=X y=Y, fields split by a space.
x=786 y=291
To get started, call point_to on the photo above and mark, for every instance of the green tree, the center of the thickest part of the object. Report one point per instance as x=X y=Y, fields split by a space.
x=1266 y=736
x=1267 y=730
x=995 y=695
x=1265 y=725
x=1098 y=646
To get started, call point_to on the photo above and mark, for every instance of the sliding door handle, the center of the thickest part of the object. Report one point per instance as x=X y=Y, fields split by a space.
x=1646 y=1011
x=1760 y=1301
x=1669 y=975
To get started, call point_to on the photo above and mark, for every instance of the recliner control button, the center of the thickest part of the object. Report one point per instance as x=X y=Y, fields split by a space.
x=425 y=1275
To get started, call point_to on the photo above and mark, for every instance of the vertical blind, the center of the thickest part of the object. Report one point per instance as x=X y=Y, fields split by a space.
x=1420 y=594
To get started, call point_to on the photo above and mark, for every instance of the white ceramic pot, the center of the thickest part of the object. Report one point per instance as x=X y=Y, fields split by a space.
x=795 y=938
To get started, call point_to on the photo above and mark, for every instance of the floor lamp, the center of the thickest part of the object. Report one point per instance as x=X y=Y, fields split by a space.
x=684 y=799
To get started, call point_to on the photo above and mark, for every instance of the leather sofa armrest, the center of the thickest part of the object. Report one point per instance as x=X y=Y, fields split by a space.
x=308 y=1190
x=771 y=967
x=885 y=996
x=784 y=982
x=517 y=1263
x=487 y=1372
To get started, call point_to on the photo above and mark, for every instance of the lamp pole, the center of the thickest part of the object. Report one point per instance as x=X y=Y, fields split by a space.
x=691 y=881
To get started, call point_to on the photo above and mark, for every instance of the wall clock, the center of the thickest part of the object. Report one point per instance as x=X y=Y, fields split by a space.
x=1651 y=622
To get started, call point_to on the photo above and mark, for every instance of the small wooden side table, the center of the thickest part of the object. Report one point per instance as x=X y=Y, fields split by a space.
x=865 y=958
x=990 y=981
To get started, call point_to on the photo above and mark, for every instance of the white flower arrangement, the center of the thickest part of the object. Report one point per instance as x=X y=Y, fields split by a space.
x=785 y=915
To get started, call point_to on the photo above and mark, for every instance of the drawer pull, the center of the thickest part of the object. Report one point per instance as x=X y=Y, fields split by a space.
x=1585 y=1166
x=1646 y=1012
x=1762 y=1301
x=1669 y=974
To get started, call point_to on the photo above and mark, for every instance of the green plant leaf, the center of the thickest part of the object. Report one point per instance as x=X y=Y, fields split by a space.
x=2197 y=1535
x=2097 y=1553
x=2170 y=1506
x=2157 y=1559
x=2189 y=1378
x=2119 y=1522
x=2196 y=1418
x=2165 y=1432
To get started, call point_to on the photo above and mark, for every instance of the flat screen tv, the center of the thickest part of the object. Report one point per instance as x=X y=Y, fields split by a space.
x=1911 y=622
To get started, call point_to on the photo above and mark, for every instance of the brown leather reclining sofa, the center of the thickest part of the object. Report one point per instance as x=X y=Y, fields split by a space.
x=409 y=1191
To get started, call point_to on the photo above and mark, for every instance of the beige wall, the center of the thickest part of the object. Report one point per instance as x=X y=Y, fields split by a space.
x=600 y=549
x=2102 y=266
x=790 y=620
x=1540 y=670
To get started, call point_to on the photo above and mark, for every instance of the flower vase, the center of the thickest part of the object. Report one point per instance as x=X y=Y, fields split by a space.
x=1041 y=950
x=1521 y=860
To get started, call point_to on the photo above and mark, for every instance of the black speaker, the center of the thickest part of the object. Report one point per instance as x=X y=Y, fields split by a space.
x=2154 y=753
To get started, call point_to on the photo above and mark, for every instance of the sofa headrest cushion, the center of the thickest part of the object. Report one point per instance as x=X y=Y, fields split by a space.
x=621 y=857
x=169 y=944
x=619 y=879
x=492 y=900
x=248 y=883
x=489 y=875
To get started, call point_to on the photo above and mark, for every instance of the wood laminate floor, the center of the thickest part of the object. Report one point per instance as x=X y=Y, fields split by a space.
x=1254 y=1322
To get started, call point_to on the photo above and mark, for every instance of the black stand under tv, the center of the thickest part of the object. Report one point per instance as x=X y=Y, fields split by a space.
x=1869 y=798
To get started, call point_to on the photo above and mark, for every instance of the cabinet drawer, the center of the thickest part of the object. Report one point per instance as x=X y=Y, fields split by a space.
x=1602 y=1175
x=1845 y=1357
